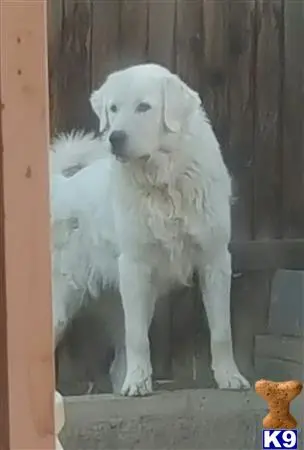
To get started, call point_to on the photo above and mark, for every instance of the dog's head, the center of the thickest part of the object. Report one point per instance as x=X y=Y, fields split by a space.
x=140 y=106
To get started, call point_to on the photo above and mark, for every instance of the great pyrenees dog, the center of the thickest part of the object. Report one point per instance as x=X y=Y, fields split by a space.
x=151 y=207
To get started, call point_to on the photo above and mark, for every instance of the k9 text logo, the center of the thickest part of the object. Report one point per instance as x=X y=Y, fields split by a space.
x=280 y=439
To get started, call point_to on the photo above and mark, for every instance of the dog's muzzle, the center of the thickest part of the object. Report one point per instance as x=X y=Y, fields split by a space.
x=118 y=141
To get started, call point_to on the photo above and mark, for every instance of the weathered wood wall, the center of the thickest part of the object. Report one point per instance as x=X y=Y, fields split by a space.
x=246 y=60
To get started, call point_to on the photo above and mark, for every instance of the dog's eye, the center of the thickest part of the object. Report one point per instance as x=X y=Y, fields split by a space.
x=113 y=108
x=143 y=107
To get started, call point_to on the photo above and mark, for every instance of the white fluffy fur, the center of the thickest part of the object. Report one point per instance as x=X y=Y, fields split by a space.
x=146 y=222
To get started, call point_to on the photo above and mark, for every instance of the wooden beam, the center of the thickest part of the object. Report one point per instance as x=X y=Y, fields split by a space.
x=268 y=255
x=26 y=353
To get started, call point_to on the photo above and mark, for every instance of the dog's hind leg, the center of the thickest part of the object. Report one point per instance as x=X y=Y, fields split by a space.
x=60 y=319
x=215 y=280
x=138 y=300
x=65 y=301
x=118 y=369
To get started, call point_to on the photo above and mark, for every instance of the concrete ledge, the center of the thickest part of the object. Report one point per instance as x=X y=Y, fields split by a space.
x=195 y=419
x=286 y=348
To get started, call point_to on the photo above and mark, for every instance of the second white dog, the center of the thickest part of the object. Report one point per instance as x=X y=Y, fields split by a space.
x=149 y=213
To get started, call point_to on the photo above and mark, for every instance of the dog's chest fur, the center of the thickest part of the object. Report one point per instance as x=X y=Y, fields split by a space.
x=166 y=221
x=175 y=229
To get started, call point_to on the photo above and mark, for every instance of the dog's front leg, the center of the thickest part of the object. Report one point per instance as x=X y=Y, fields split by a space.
x=138 y=300
x=215 y=280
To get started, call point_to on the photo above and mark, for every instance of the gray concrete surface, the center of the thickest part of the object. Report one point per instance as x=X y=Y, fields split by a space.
x=279 y=352
x=186 y=419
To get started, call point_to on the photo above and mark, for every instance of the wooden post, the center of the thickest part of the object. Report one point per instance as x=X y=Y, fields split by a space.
x=26 y=353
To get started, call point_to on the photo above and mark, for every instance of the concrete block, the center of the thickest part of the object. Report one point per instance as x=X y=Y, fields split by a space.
x=287 y=303
x=186 y=419
x=285 y=348
x=278 y=370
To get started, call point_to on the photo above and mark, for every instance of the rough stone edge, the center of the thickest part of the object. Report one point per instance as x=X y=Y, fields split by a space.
x=86 y=410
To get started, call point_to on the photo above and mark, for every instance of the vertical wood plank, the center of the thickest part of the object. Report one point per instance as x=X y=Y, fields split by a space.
x=293 y=120
x=227 y=90
x=160 y=336
x=26 y=354
x=105 y=39
x=242 y=61
x=202 y=373
x=54 y=17
x=4 y=398
x=70 y=75
x=161 y=22
x=133 y=32
x=189 y=41
x=215 y=73
x=249 y=316
x=268 y=120
x=184 y=332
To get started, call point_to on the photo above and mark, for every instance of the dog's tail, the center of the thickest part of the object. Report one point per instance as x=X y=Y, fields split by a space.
x=71 y=152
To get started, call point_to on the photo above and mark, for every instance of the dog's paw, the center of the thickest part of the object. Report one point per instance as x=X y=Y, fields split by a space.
x=229 y=377
x=137 y=384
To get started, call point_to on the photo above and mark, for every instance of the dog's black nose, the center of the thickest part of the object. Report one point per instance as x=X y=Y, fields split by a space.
x=117 y=139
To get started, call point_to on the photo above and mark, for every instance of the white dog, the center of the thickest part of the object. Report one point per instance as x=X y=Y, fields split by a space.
x=149 y=213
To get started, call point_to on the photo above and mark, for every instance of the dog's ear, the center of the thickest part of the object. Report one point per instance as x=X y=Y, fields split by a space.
x=179 y=102
x=99 y=106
